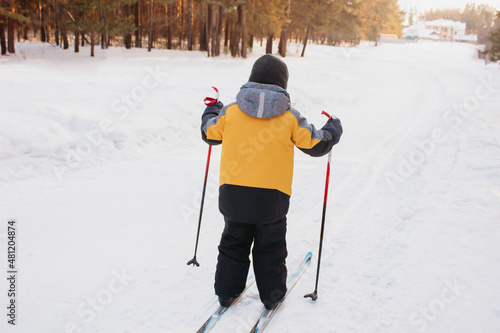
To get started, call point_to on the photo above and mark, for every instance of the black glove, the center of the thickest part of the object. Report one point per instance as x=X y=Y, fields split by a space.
x=334 y=126
x=212 y=110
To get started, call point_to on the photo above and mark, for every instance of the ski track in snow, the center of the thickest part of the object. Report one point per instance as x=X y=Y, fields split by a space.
x=105 y=240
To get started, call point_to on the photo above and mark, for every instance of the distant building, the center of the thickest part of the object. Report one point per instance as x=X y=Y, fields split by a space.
x=389 y=36
x=439 y=30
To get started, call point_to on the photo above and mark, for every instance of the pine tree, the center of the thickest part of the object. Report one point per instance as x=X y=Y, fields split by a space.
x=310 y=16
x=494 y=51
x=197 y=24
x=380 y=17
x=266 y=19
x=411 y=16
x=346 y=22
x=10 y=17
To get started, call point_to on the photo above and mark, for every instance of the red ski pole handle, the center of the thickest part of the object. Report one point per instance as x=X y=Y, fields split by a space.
x=209 y=101
x=326 y=114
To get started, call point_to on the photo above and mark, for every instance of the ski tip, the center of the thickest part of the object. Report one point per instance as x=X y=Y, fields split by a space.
x=309 y=256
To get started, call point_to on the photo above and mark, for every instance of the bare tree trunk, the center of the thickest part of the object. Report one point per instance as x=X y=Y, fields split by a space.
x=104 y=35
x=227 y=32
x=77 y=41
x=282 y=43
x=208 y=28
x=128 y=36
x=92 y=46
x=203 y=35
x=78 y=15
x=3 y=42
x=305 y=40
x=47 y=22
x=237 y=33
x=56 y=23
x=204 y=30
x=170 y=8
x=269 y=44
x=242 y=20
x=138 y=27
x=220 y=22
x=10 y=35
x=190 y=25
x=235 y=40
x=285 y=30
x=180 y=15
x=62 y=30
x=150 y=38
x=213 y=25
x=65 y=39
x=43 y=23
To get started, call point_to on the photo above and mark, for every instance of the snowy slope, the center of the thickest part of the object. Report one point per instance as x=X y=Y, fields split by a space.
x=101 y=164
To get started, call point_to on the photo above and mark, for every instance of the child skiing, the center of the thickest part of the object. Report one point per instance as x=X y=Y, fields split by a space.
x=258 y=133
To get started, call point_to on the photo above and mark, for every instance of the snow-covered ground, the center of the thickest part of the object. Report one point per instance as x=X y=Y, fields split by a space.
x=102 y=164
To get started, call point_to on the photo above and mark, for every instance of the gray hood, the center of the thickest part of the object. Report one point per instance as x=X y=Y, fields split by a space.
x=263 y=100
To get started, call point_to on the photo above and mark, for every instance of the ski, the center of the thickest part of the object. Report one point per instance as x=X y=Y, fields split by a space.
x=267 y=315
x=214 y=318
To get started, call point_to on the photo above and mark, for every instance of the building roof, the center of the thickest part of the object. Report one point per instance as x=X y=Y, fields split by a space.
x=446 y=23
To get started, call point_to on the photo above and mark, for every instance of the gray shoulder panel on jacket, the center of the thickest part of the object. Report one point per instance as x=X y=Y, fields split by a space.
x=315 y=134
x=213 y=121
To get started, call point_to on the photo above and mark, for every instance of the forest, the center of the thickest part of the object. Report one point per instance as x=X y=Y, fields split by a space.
x=212 y=26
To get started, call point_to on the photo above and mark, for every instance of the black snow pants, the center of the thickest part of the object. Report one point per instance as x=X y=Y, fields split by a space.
x=269 y=254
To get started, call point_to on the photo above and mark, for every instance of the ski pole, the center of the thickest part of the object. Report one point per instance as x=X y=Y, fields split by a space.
x=208 y=102
x=193 y=261
x=314 y=295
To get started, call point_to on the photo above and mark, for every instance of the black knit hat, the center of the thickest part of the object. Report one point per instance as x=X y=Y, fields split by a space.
x=270 y=70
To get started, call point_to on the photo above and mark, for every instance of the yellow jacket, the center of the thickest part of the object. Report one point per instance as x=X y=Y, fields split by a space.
x=258 y=134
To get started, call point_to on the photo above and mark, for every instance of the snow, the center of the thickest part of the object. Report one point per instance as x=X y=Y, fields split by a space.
x=102 y=164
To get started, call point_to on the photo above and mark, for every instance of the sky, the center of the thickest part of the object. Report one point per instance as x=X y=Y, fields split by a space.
x=423 y=5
